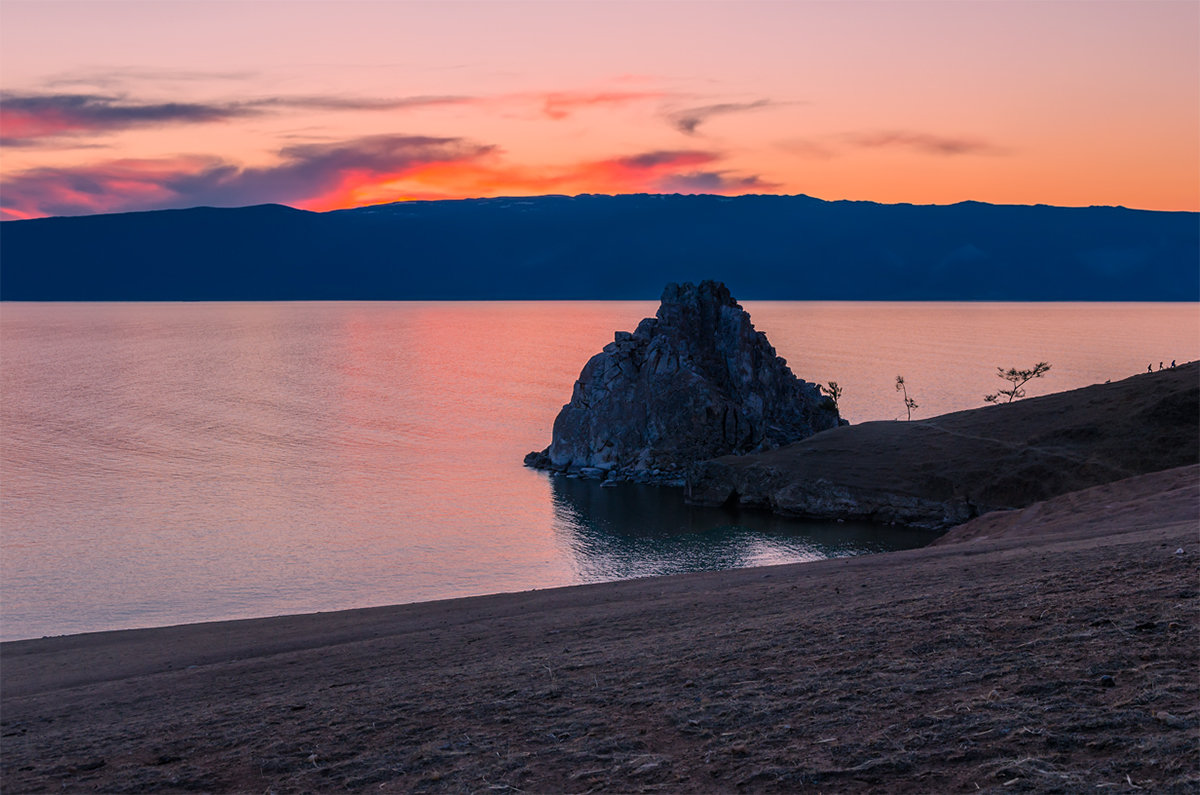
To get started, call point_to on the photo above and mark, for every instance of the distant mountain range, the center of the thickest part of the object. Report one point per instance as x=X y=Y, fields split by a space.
x=608 y=247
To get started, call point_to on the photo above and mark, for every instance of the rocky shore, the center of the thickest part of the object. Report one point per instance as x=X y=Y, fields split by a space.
x=943 y=471
x=695 y=396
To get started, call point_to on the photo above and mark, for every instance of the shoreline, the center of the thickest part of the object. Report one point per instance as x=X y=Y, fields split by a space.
x=335 y=622
x=935 y=469
x=928 y=537
x=157 y=649
x=978 y=660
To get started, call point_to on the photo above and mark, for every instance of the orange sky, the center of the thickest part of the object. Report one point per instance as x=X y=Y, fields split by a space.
x=113 y=106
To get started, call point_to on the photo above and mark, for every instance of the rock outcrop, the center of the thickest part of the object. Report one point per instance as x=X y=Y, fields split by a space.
x=940 y=472
x=695 y=382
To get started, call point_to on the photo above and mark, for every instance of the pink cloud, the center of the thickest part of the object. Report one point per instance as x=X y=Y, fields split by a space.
x=561 y=104
x=305 y=173
x=350 y=173
x=108 y=187
x=648 y=172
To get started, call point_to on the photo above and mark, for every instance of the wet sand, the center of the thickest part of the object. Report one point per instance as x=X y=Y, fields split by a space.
x=1054 y=648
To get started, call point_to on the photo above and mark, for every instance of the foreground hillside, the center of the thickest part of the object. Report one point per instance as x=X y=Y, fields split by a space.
x=1060 y=659
x=607 y=247
x=942 y=471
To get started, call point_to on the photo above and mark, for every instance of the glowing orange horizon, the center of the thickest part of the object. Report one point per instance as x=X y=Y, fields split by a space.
x=909 y=102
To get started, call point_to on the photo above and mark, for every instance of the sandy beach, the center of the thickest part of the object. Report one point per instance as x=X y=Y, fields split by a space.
x=1049 y=649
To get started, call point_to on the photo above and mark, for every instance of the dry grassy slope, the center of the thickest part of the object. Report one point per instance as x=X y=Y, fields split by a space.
x=1170 y=498
x=942 y=471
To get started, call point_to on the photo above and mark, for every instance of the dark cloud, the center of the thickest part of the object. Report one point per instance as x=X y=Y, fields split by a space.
x=29 y=117
x=688 y=121
x=32 y=119
x=713 y=182
x=304 y=172
x=924 y=142
x=685 y=157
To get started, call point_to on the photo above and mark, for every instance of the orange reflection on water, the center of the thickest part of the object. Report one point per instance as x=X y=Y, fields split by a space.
x=182 y=462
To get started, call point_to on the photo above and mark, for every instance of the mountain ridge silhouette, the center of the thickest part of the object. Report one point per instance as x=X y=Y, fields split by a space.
x=608 y=247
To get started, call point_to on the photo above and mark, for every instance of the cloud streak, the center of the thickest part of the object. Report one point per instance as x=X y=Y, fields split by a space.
x=925 y=143
x=922 y=143
x=112 y=78
x=45 y=119
x=27 y=118
x=364 y=103
x=33 y=119
x=558 y=105
x=688 y=121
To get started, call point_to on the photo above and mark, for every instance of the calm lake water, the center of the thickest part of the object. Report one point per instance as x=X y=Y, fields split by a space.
x=169 y=463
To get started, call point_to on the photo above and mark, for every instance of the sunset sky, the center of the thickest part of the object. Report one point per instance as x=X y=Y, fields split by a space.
x=114 y=106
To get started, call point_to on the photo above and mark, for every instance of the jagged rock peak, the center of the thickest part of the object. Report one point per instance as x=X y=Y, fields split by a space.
x=694 y=382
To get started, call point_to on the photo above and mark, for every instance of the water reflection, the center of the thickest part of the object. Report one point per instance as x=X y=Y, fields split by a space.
x=167 y=463
x=638 y=531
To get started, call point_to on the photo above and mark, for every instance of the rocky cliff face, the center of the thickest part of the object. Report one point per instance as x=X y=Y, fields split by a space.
x=695 y=382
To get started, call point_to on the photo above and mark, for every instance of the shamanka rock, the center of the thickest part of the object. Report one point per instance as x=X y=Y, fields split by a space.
x=695 y=382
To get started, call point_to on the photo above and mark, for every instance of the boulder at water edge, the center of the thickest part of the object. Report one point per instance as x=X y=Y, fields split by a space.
x=693 y=383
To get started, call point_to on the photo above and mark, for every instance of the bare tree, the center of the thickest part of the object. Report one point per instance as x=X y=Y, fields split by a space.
x=909 y=403
x=1018 y=379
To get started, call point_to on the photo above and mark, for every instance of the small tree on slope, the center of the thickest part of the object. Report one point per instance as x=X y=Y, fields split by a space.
x=1018 y=379
x=909 y=403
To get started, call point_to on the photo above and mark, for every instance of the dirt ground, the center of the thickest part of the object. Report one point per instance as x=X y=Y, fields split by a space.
x=1060 y=660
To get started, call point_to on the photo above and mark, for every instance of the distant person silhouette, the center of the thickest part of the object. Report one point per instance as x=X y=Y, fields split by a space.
x=1150 y=368
x=1160 y=365
x=1172 y=364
